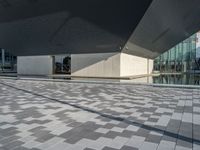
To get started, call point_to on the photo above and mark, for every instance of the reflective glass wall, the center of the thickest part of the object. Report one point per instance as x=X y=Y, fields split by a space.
x=180 y=58
x=8 y=62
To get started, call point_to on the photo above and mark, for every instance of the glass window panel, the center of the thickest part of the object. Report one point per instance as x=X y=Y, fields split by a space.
x=183 y=52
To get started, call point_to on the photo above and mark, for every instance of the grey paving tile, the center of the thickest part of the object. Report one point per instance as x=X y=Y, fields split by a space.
x=166 y=145
x=13 y=145
x=128 y=148
x=149 y=146
x=21 y=148
x=109 y=148
x=137 y=117
x=89 y=149
x=153 y=139
x=8 y=139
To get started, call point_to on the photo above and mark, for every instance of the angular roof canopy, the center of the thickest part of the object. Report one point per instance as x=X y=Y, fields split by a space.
x=144 y=28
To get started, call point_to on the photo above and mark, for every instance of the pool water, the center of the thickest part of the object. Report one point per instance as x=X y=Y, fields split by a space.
x=184 y=79
x=179 y=79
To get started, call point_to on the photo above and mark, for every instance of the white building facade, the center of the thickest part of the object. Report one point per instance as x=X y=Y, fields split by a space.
x=89 y=65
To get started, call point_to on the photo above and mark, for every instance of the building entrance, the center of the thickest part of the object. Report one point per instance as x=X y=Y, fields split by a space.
x=62 y=64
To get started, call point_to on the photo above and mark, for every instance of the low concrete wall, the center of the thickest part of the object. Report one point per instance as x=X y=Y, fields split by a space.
x=34 y=65
x=96 y=65
x=110 y=65
x=89 y=65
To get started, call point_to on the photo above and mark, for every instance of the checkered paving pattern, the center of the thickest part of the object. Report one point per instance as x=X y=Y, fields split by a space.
x=38 y=115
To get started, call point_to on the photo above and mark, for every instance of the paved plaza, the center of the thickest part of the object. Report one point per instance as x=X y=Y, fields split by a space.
x=39 y=115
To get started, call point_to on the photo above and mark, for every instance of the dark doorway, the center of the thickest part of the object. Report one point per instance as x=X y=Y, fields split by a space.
x=62 y=64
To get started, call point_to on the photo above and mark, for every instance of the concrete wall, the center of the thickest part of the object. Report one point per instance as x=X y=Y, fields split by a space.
x=110 y=65
x=96 y=65
x=133 y=65
x=89 y=65
x=34 y=65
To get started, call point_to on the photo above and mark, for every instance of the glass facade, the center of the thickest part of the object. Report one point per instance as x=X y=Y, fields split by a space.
x=8 y=62
x=180 y=58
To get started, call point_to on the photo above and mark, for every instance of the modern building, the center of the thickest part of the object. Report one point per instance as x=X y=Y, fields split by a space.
x=181 y=58
x=104 y=38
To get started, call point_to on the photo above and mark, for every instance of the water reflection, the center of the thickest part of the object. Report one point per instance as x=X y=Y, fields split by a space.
x=179 y=79
x=184 y=79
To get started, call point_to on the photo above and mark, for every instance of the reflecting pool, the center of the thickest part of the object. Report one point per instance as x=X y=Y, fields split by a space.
x=186 y=79
x=179 y=79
